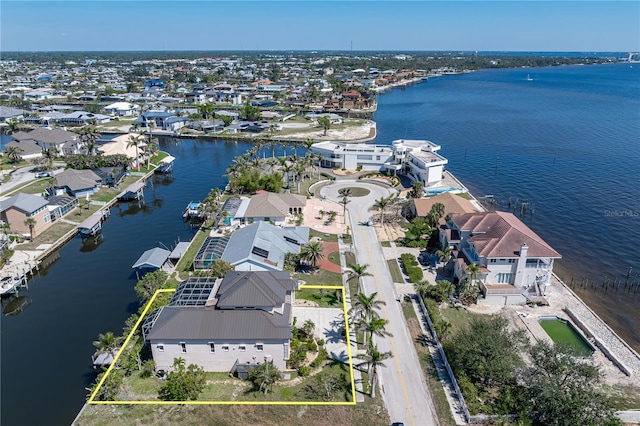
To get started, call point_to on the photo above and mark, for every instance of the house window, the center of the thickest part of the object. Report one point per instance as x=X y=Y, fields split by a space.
x=242 y=348
x=212 y=347
x=160 y=347
x=225 y=348
x=183 y=347
x=512 y=261
x=259 y=347
x=492 y=260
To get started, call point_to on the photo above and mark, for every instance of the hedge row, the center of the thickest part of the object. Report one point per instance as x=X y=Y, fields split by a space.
x=412 y=267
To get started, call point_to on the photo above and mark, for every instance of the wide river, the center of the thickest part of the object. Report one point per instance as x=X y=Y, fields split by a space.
x=567 y=141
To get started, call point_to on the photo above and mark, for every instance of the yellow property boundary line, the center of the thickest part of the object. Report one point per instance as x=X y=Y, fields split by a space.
x=92 y=400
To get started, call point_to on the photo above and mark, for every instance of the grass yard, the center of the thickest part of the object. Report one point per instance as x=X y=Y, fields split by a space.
x=458 y=317
x=623 y=397
x=324 y=298
x=36 y=187
x=443 y=411
x=358 y=192
x=350 y=258
x=385 y=243
x=330 y=238
x=320 y=277
x=334 y=258
x=107 y=194
x=48 y=236
x=184 y=265
x=394 y=268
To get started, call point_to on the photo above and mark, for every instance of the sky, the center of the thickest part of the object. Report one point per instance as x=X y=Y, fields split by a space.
x=583 y=26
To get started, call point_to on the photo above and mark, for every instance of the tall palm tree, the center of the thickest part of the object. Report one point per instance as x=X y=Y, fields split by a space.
x=381 y=204
x=136 y=141
x=14 y=153
x=374 y=359
x=12 y=126
x=30 y=222
x=89 y=135
x=345 y=192
x=445 y=255
x=373 y=326
x=49 y=155
x=312 y=253
x=320 y=157
x=300 y=168
x=364 y=306
x=344 y=203
x=472 y=272
x=356 y=272
x=150 y=150
x=107 y=343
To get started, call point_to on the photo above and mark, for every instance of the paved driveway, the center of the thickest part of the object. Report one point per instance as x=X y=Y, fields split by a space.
x=402 y=382
x=329 y=324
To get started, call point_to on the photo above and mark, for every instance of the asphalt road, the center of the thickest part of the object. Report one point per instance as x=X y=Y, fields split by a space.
x=402 y=382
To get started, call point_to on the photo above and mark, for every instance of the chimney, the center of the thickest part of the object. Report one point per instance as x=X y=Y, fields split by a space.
x=523 y=250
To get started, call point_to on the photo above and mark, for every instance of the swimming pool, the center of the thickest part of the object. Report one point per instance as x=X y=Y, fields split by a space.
x=563 y=332
x=437 y=191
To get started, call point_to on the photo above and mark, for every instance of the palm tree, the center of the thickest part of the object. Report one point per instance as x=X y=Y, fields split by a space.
x=89 y=135
x=264 y=375
x=356 y=272
x=136 y=141
x=107 y=343
x=206 y=111
x=325 y=123
x=312 y=253
x=445 y=255
x=12 y=126
x=364 y=306
x=373 y=326
x=300 y=167
x=374 y=359
x=150 y=150
x=344 y=203
x=31 y=223
x=14 y=153
x=49 y=155
x=345 y=192
x=472 y=272
x=382 y=203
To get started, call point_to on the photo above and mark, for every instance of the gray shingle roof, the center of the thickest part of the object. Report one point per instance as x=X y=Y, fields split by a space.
x=28 y=146
x=42 y=134
x=152 y=258
x=76 y=180
x=266 y=288
x=27 y=203
x=273 y=205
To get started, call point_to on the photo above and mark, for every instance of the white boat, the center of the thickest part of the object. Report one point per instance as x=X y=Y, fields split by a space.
x=192 y=210
x=8 y=284
x=529 y=78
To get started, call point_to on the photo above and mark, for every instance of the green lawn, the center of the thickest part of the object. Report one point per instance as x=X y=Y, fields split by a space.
x=358 y=192
x=623 y=397
x=396 y=274
x=458 y=317
x=334 y=258
x=350 y=258
x=330 y=238
x=385 y=243
x=320 y=277
x=36 y=187
x=324 y=298
x=186 y=261
x=48 y=236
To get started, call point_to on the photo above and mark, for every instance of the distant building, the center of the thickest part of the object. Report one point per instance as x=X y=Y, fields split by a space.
x=17 y=209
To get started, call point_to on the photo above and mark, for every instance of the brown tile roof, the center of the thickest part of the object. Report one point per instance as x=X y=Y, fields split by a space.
x=270 y=204
x=452 y=204
x=501 y=234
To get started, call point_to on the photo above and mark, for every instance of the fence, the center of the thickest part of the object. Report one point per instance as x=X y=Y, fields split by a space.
x=456 y=388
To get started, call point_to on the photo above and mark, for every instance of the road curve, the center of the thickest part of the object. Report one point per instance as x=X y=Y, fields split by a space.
x=402 y=382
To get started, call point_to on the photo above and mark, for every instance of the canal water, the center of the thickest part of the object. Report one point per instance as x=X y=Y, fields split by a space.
x=46 y=349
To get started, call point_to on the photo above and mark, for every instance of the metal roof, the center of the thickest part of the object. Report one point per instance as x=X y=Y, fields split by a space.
x=152 y=258
x=90 y=222
x=179 y=250
x=27 y=203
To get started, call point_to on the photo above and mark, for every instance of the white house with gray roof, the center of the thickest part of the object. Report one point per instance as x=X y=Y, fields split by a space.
x=269 y=207
x=263 y=246
x=241 y=320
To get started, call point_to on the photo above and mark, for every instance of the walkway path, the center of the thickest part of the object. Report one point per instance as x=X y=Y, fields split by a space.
x=402 y=384
x=325 y=263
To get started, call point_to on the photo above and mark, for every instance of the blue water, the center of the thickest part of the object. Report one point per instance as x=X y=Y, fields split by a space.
x=568 y=141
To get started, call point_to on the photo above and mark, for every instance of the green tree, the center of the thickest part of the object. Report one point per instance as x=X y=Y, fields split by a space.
x=49 y=155
x=226 y=119
x=445 y=255
x=89 y=135
x=418 y=233
x=435 y=214
x=562 y=389
x=206 y=111
x=250 y=113
x=135 y=141
x=111 y=387
x=219 y=268
x=373 y=326
x=356 y=272
x=382 y=204
x=31 y=223
x=417 y=190
x=364 y=306
x=108 y=343
x=183 y=383
x=14 y=153
x=374 y=359
x=325 y=123
x=264 y=375
x=149 y=284
x=486 y=351
x=312 y=253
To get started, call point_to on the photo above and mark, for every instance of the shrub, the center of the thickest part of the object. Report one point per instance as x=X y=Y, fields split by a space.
x=304 y=370
x=411 y=267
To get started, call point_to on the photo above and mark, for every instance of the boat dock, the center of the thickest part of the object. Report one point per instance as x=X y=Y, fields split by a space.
x=15 y=273
x=166 y=165
x=135 y=191
x=92 y=225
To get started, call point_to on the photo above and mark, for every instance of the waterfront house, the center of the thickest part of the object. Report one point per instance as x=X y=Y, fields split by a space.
x=78 y=183
x=29 y=149
x=453 y=203
x=263 y=246
x=418 y=160
x=515 y=263
x=52 y=139
x=122 y=109
x=7 y=113
x=269 y=207
x=241 y=320
x=17 y=209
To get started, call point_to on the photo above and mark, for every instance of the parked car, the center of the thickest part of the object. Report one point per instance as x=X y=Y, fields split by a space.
x=42 y=175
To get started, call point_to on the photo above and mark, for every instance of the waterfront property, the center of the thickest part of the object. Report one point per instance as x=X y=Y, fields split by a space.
x=262 y=246
x=417 y=159
x=59 y=141
x=515 y=264
x=151 y=260
x=420 y=207
x=269 y=207
x=16 y=210
x=243 y=319
x=78 y=183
